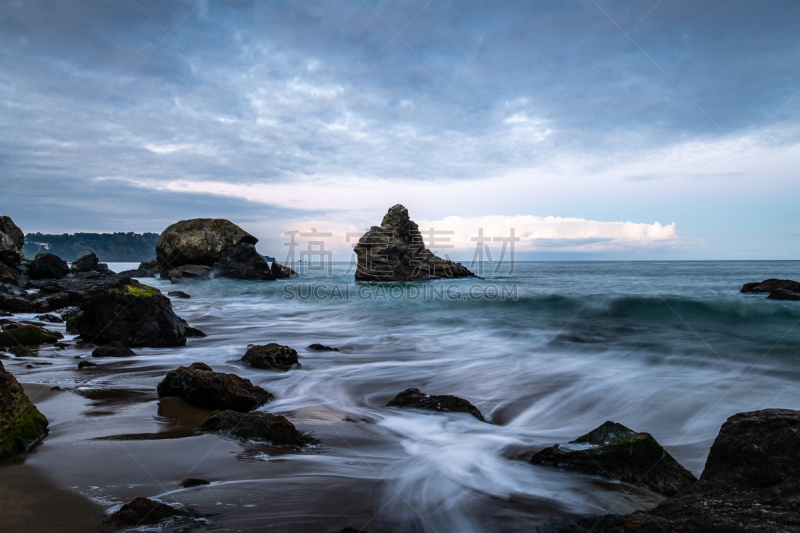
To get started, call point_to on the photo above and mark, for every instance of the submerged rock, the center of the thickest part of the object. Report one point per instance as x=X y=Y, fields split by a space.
x=85 y=263
x=242 y=262
x=322 y=348
x=194 y=482
x=134 y=314
x=189 y=272
x=178 y=294
x=191 y=331
x=256 y=427
x=48 y=266
x=199 y=241
x=281 y=272
x=616 y=452
x=143 y=511
x=750 y=483
x=113 y=349
x=395 y=251
x=21 y=424
x=772 y=284
x=200 y=386
x=28 y=336
x=444 y=403
x=271 y=356
x=784 y=294
x=86 y=364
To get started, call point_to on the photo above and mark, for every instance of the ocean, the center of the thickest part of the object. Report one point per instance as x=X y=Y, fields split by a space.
x=547 y=351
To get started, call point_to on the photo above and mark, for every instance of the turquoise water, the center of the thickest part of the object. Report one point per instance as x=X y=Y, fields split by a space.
x=547 y=354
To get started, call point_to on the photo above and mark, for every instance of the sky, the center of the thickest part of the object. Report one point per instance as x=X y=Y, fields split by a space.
x=594 y=129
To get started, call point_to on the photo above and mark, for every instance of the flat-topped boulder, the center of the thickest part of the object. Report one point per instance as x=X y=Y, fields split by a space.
x=751 y=482
x=28 y=335
x=242 y=262
x=77 y=290
x=255 y=427
x=138 y=273
x=133 y=314
x=200 y=386
x=784 y=294
x=616 y=452
x=189 y=272
x=21 y=424
x=199 y=241
x=772 y=284
x=443 y=403
x=271 y=356
x=395 y=251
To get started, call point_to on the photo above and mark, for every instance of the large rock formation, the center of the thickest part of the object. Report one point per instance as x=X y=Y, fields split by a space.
x=10 y=254
x=48 y=266
x=21 y=424
x=199 y=241
x=616 y=452
x=271 y=356
x=395 y=251
x=8 y=227
x=444 y=403
x=256 y=427
x=751 y=482
x=76 y=291
x=242 y=262
x=199 y=385
x=132 y=313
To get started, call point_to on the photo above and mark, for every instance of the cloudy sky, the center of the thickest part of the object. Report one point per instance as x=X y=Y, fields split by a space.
x=617 y=130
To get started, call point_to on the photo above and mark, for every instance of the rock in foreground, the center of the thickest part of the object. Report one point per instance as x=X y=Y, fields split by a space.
x=134 y=314
x=21 y=424
x=48 y=266
x=144 y=511
x=616 y=452
x=395 y=251
x=199 y=241
x=28 y=336
x=256 y=427
x=200 y=386
x=751 y=482
x=271 y=356
x=444 y=403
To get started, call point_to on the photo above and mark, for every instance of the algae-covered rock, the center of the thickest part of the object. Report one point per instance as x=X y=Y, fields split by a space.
x=200 y=386
x=256 y=427
x=199 y=241
x=134 y=314
x=271 y=356
x=29 y=335
x=444 y=403
x=616 y=452
x=21 y=424
x=395 y=251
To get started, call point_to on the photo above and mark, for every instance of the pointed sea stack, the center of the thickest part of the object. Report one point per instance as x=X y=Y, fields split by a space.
x=395 y=251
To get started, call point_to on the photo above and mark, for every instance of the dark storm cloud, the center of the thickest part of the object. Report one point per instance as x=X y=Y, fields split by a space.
x=274 y=91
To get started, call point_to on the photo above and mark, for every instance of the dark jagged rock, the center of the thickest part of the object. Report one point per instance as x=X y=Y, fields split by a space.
x=48 y=266
x=21 y=424
x=444 y=403
x=67 y=312
x=271 y=356
x=134 y=314
x=80 y=289
x=143 y=511
x=281 y=272
x=186 y=272
x=751 y=482
x=616 y=452
x=53 y=319
x=199 y=241
x=8 y=227
x=152 y=266
x=784 y=294
x=85 y=263
x=51 y=302
x=256 y=427
x=772 y=284
x=192 y=332
x=194 y=482
x=10 y=253
x=178 y=294
x=20 y=351
x=10 y=276
x=86 y=364
x=242 y=262
x=15 y=304
x=200 y=386
x=322 y=348
x=395 y=251
x=139 y=273
x=113 y=349
x=28 y=336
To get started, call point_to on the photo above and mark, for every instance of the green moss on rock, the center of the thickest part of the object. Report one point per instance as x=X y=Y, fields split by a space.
x=21 y=424
x=28 y=336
